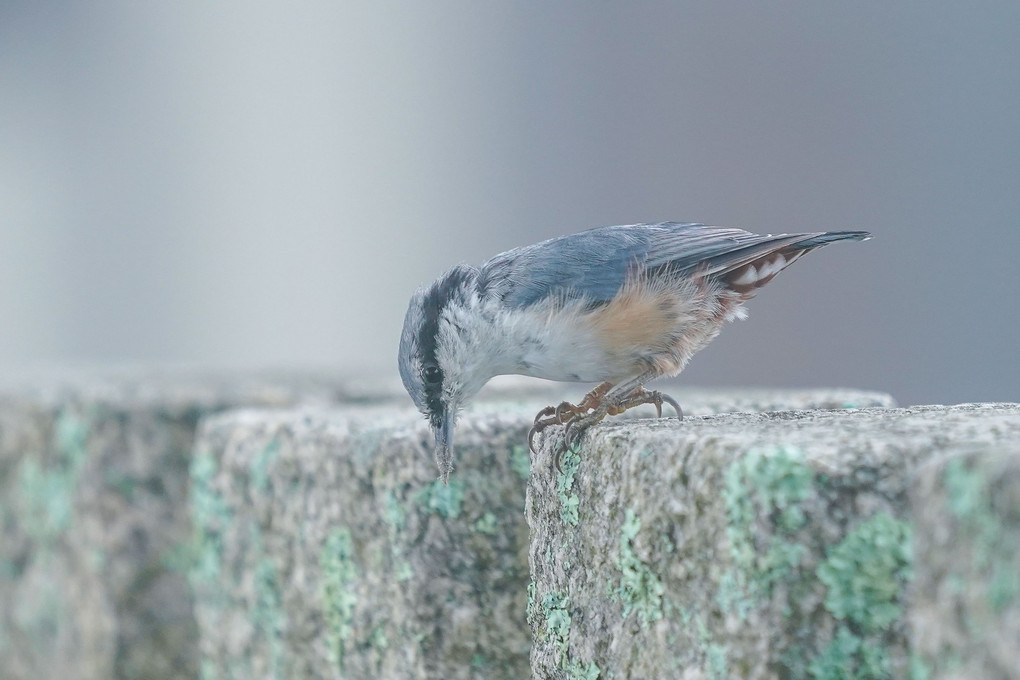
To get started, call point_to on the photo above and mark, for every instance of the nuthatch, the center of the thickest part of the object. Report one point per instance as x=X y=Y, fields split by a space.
x=619 y=306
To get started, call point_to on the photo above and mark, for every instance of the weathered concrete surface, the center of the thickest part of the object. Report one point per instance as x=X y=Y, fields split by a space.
x=966 y=593
x=778 y=546
x=94 y=511
x=327 y=549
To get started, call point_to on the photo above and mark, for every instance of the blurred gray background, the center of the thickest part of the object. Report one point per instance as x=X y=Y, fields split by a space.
x=246 y=184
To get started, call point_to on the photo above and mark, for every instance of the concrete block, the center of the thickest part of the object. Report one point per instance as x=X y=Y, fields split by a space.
x=327 y=548
x=777 y=545
x=94 y=509
x=965 y=612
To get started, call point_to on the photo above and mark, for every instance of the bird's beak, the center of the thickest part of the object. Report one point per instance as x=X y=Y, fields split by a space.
x=444 y=447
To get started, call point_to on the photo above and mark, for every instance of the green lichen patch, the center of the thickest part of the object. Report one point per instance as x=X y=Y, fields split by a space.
x=640 y=589
x=919 y=669
x=261 y=463
x=202 y=556
x=579 y=671
x=557 y=623
x=268 y=616
x=402 y=570
x=770 y=486
x=846 y=657
x=849 y=656
x=45 y=491
x=180 y=557
x=46 y=498
x=971 y=499
x=339 y=575
x=72 y=438
x=394 y=514
x=378 y=638
x=769 y=497
x=569 y=501
x=520 y=461
x=774 y=482
x=442 y=499
x=716 y=662
x=487 y=524
x=211 y=515
x=207 y=670
x=9 y=570
x=550 y=619
x=865 y=573
x=124 y=485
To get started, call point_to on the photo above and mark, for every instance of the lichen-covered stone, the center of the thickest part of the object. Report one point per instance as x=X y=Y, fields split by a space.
x=759 y=545
x=95 y=541
x=966 y=590
x=370 y=567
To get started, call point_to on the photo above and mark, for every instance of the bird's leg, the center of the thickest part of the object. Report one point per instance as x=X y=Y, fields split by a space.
x=625 y=396
x=566 y=412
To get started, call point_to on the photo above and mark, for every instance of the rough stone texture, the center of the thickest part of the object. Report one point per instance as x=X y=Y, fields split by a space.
x=966 y=594
x=326 y=548
x=778 y=546
x=94 y=512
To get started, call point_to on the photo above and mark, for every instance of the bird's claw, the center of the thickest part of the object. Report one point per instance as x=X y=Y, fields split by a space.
x=574 y=431
x=541 y=422
x=567 y=412
x=590 y=411
x=643 y=396
x=553 y=415
x=576 y=418
x=672 y=402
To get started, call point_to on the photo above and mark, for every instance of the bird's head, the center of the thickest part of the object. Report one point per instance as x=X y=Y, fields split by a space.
x=433 y=361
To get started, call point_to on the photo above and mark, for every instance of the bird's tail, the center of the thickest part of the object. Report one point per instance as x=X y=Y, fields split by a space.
x=761 y=263
x=829 y=237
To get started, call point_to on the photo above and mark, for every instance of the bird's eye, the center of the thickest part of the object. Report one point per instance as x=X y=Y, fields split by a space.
x=431 y=375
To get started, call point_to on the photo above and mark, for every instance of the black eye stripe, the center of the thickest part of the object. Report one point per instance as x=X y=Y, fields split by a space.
x=436 y=299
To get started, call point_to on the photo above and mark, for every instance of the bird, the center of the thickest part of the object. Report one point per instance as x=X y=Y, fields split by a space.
x=618 y=306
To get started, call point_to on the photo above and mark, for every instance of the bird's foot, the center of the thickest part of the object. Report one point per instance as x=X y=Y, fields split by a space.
x=578 y=425
x=595 y=406
x=567 y=412
x=642 y=396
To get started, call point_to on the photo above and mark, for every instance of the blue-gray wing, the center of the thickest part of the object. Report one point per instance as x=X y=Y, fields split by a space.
x=594 y=264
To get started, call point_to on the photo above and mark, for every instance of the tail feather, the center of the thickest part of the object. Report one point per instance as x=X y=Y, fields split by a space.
x=830 y=237
x=748 y=274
